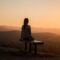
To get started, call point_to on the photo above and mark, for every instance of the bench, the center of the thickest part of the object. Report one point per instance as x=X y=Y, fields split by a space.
x=35 y=43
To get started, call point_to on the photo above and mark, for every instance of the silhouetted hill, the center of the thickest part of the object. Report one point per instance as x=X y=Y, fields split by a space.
x=8 y=28
x=51 y=30
x=51 y=40
x=9 y=38
x=34 y=30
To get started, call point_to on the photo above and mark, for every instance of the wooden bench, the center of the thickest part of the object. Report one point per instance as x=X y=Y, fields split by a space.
x=35 y=43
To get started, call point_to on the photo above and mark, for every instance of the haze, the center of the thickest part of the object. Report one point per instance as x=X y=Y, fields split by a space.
x=41 y=13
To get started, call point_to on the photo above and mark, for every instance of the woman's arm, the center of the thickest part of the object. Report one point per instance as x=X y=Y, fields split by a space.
x=29 y=30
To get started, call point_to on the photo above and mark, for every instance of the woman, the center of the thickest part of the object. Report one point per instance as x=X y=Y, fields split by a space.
x=26 y=34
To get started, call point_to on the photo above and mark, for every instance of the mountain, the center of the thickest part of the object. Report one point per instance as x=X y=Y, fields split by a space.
x=34 y=30
x=51 y=30
x=8 y=28
x=9 y=37
x=51 y=40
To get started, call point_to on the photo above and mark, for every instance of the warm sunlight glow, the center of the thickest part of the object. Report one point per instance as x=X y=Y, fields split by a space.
x=41 y=13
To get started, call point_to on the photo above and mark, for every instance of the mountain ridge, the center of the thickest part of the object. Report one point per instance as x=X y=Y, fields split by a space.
x=34 y=30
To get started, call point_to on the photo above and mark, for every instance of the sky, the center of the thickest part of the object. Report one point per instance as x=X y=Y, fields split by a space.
x=41 y=13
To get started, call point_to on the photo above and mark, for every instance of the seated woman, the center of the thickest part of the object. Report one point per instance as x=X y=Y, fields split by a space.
x=26 y=34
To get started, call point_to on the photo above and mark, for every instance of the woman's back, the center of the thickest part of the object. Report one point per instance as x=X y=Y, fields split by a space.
x=26 y=31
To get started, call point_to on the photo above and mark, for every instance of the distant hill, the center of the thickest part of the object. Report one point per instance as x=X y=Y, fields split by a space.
x=51 y=40
x=51 y=30
x=34 y=30
x=8 y=28
x=9 y=37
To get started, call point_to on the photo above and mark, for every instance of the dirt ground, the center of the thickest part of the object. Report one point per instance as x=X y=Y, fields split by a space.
x=15 y=54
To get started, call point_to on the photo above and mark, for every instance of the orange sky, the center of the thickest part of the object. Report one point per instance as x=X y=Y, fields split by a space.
x=41 y=13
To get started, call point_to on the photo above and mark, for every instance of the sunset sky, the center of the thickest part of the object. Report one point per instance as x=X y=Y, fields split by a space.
x=41 y=13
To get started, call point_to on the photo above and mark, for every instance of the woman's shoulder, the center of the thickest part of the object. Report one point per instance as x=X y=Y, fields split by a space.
x=29 y=26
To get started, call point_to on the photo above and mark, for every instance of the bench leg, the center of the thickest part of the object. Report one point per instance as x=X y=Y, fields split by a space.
x=25 y=46
x=35 y=49
x=30 y=46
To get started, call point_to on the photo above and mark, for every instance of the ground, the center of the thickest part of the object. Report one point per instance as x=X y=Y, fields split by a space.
x=16 y=54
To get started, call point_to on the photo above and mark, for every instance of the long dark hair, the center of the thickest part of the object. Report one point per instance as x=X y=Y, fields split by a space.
x=26 y=21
